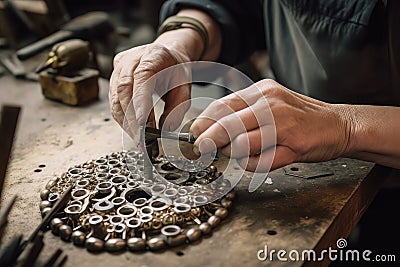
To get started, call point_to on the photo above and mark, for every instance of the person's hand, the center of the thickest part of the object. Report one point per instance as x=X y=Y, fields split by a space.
x=129 y=81
x=307 y=130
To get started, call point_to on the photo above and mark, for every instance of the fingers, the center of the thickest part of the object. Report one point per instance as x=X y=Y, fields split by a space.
x=154 y=59
x=252 y=142
x=229 y=127
x=225 y=106
x=262 y=163
x=177 y=103
x=115 y=106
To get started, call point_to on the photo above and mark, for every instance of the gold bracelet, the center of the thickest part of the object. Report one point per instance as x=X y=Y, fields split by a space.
x=176 y=22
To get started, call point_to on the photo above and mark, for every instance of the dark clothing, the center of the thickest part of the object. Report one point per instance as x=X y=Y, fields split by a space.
x=343 y=51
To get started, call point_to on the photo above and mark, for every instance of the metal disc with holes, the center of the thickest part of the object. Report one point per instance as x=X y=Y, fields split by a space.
x=113 y=207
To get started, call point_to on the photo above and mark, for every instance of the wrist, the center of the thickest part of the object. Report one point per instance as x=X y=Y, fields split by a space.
x=349 y=131
x=184 y=41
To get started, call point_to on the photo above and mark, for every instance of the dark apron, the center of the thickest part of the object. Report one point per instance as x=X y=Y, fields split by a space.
x=339 y=51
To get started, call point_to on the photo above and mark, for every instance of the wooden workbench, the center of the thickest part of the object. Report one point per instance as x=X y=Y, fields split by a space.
x=291 y=213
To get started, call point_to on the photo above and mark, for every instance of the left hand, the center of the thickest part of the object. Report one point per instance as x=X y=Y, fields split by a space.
x=307 y=130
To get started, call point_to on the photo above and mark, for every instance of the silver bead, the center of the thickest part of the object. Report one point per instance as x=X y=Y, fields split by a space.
x=45 y=211
x=115 y=244
x=65 y=232
x=94 y=244
x=178 y=240
x=44 y=194
x=50 y=184
x=205 y=228
x=78 y=238
x=221 y=212
x=193 y=234
x=214 y=221
x=44 y=204
x=156 y=243
x=136 y=244
x=55 y=225
x=226 y=203
x=231 y=195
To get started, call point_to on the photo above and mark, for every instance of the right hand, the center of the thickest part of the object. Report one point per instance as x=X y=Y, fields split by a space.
x=132 y=69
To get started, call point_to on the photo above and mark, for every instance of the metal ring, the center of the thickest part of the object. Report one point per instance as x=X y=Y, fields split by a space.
x=170 y=192
x=53 y=197
x=114 y=171
x=100 y=161
x=171 y=230
x=118 y=180
x=120 y=228
x=159 y=204
x=139 y=202
x=101 y=176
x=127 y=211
x=75 y=172
x=146 y=218
x=146 y=210
x=80 y=194
x=104 y=187
x=73 y=209
x=181 y=208
x=181 y=200
x=200 y=200
x=116 y=219
x=103 y=206
x=95 y=219
x=133 y=223
x=82 y=183
x=118 y=201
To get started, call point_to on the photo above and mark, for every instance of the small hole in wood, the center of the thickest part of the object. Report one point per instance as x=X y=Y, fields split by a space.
x=107 y=119
x=295 y=169
x=37 y=170
x=180 y=253
x=42 y=165
x=271 y=232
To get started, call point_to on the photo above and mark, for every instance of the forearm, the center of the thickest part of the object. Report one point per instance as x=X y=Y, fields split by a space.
x=374 y=135
x=189 y=41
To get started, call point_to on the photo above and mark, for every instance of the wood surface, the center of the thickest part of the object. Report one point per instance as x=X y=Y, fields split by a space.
x=291 y=213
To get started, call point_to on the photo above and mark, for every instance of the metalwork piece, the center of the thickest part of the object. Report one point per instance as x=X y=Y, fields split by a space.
x=115 y=244
x=178 y=240
x=222 y=213
x=205 y=228
x=78 y=238
x=94 y=244
x=156 y=243
x=44 y=204
x=65 y=232
x=44 y=194
x=55 y=225
x=214 y=221
x=136 y=244
x=193 y=234
x=113 y=205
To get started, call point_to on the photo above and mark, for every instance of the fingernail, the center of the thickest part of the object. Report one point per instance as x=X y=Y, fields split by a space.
x=196 y=150
x=206 y=146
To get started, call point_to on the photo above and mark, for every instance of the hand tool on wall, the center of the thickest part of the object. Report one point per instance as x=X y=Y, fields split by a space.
x=90 y=26
x=12 y=63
